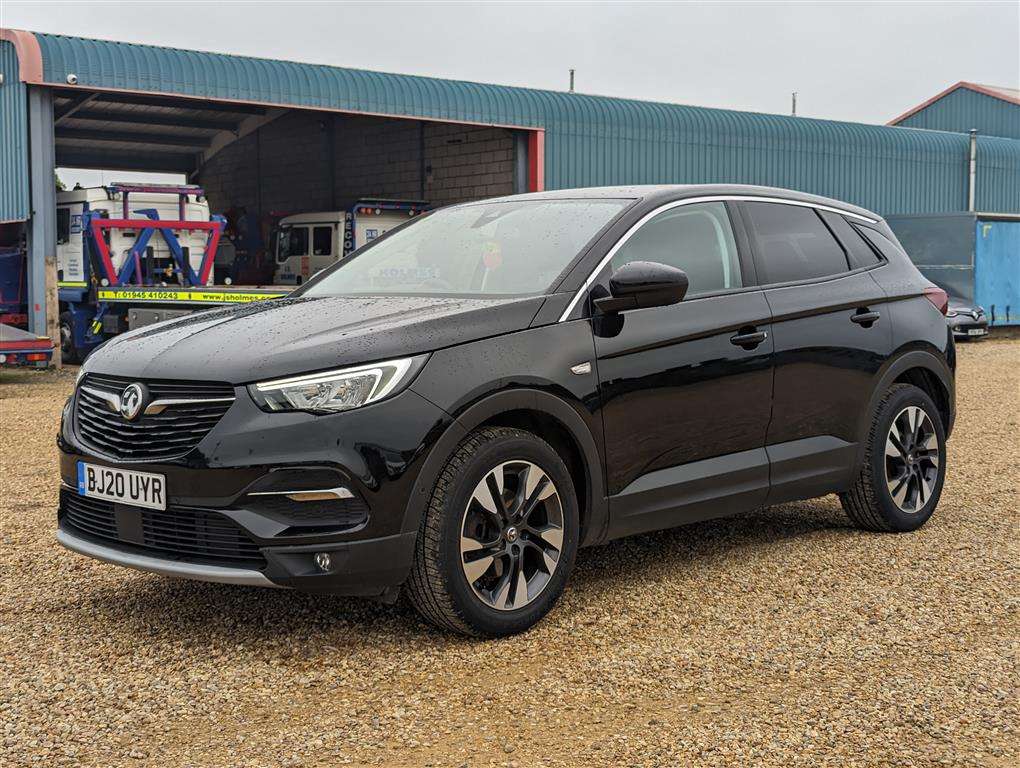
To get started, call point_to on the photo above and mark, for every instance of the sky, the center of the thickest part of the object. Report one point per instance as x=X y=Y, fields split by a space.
x=857 y=61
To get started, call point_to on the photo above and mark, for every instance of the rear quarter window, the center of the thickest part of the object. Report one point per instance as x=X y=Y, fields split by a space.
x=858 y=252
x=882 y=244
x=793 y=243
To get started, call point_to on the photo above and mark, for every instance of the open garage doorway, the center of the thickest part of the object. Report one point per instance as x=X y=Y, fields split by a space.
x=258 y=164
x=279 y=193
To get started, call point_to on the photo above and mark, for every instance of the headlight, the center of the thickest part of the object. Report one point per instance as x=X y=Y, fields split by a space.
x=952 y=313
x=335 y=391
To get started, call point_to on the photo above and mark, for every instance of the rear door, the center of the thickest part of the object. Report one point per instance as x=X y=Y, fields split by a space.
x=686 y=389
x=832 y=333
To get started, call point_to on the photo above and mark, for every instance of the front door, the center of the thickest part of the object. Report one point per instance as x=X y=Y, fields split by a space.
x=686 y=389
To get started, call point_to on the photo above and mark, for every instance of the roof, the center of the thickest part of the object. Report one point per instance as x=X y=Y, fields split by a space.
x=1009 y=95
x=588 y=140
x=680 y=191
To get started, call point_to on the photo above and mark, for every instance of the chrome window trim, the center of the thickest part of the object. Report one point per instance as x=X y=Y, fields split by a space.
x=691 y=201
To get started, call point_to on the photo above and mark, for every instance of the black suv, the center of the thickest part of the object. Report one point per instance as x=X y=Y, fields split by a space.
x=460 y=405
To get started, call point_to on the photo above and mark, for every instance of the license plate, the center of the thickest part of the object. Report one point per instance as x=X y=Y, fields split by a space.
x=976 y=332
x=139 y=489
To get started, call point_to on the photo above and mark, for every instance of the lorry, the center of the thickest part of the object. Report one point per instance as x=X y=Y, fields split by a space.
x=305 y=243
x=129 y=255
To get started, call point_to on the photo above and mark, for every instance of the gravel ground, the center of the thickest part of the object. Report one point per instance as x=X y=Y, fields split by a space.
x=780 y=638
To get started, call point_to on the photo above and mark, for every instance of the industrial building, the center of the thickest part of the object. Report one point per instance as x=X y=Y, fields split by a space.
x=278 y=137
x=988 y=109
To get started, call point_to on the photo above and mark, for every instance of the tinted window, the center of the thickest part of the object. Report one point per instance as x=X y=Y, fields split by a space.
x=63 y=225
x=794 y=243
x=884 y=245
x=484 y=249
x=322 y=241
x=858 y=252
x=695 y=238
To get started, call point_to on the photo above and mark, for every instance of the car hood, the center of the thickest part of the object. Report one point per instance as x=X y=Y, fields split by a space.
x=283 y=337
x=964 y=307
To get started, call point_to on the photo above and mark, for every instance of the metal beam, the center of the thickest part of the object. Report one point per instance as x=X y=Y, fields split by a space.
x=169 y=101
x=129 y=137
x=147 y=118
x=520 y=162
x=66 y=110
x=168 y=162
x=43 y=316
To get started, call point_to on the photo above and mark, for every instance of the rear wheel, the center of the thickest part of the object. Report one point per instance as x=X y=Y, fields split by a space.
x=498 y=539
x=901 y=481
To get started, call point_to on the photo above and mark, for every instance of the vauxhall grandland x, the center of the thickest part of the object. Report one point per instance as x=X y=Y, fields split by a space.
x=459 y=406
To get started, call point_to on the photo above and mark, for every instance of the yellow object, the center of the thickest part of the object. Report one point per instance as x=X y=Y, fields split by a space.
x=172 y=295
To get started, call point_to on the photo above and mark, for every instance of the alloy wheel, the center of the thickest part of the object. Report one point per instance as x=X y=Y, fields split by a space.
x=912 y=459
x=511 y=535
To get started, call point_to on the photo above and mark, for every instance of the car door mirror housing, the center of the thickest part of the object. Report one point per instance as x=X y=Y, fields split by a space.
x=643 y=284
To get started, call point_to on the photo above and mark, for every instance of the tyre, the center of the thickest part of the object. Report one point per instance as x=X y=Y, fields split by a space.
x=68 y=353
x=904 y=468
x=498 y=539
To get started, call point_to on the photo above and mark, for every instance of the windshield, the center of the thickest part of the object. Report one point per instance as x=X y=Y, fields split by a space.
x=487 y=249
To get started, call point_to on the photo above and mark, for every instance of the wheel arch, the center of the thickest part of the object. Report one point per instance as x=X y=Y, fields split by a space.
x=544 y=414
x=926 y=370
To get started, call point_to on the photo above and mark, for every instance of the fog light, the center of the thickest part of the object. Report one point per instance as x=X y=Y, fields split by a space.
x=323 y=560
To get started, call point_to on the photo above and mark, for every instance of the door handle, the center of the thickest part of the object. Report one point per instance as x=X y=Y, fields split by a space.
x=865 y=317
x=749 y=340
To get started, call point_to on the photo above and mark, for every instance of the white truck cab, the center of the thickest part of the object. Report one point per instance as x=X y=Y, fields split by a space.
x=73 y=204
x=305 y=243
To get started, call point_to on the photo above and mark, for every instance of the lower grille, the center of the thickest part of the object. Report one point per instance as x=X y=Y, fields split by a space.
x=190 y=534
x=332 y=513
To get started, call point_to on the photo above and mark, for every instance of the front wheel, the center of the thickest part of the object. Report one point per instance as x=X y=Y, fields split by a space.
x=68 y=352
x=498 y=539
x=901 y=481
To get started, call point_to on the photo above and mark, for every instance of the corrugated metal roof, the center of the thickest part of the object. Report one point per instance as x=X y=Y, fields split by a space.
x=14 y=204
x=992 y=110
x=590 y=140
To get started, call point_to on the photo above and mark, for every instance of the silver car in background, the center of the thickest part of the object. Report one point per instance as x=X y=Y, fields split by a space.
x=966 y=319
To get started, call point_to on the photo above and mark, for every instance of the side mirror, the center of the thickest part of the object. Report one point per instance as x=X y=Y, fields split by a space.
x=643 y=284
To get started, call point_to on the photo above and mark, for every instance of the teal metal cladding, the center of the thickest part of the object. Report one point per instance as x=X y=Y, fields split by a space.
x=963 y=109
x=590 y=140
x=13 y=139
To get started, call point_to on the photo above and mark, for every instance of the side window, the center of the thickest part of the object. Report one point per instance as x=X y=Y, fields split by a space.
x=696 y=238
x=793 y=243
x=63 y=226
x=322 y=241
x=858 y=252
x=884 y=245
x=298 y=241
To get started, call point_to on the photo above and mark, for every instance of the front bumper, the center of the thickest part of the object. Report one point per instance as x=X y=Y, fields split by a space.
x=371 y=568
x=969 y=327
x=375 y=452
x=199 y=572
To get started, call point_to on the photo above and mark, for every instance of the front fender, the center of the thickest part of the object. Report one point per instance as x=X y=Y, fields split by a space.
x=522 y=399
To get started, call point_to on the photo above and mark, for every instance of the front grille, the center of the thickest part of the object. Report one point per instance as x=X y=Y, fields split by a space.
x=166 y=435
x=191 y=534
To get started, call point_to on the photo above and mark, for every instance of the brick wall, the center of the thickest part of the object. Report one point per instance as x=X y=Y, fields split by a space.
x=285 y=166
x=467 y=163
